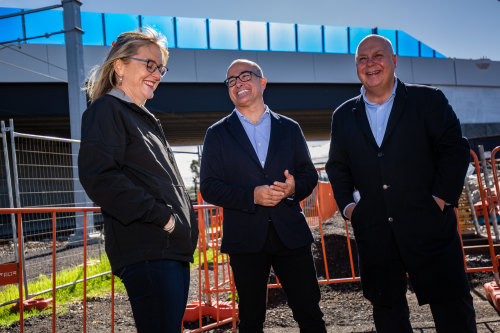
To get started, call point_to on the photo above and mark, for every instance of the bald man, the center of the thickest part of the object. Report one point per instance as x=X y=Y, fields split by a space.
x=397 y=164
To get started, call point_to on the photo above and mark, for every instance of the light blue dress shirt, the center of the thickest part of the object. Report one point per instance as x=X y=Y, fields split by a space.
x=259 y=134
x=378 y=114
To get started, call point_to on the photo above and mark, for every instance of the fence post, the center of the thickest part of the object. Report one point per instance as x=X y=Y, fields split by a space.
x=9 y=186
x=18 y=203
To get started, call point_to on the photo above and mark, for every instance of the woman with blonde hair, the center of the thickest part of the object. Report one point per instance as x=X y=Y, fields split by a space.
x=128 y=168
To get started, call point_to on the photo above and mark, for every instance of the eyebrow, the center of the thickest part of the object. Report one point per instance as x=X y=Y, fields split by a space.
x=245 y=71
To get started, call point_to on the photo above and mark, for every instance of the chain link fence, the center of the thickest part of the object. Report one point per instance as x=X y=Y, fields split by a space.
x=44 y=173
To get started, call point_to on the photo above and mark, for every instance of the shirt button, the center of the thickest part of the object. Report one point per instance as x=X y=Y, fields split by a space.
x=390 y=219
x=380 y=154
x=258 y=144
x=385 y=186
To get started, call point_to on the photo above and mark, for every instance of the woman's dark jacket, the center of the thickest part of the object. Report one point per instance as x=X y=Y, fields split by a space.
x=127 y=168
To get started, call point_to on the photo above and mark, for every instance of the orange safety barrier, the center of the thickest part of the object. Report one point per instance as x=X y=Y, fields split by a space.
x=489 y=201
x=326 y=204
x=214 y=282
x=43 y=303
x=485 y=194
x=216 y=291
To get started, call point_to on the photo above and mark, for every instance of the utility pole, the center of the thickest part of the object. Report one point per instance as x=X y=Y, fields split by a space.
x=76 y=96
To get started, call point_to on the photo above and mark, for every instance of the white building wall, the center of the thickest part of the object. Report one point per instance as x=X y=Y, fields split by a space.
x=474 y=93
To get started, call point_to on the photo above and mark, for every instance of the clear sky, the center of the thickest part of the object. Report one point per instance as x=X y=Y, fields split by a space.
x=465 y=29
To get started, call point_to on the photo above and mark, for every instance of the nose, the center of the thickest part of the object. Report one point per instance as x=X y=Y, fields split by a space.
x=370 y=61
x=157 y=73
x=238 y=82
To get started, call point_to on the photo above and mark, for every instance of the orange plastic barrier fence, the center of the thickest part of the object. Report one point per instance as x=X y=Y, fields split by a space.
x=486 y=197
x=31 y=302
x=216 y=291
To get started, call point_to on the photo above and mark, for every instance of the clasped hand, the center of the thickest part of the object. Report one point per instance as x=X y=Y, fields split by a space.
x=271 y=195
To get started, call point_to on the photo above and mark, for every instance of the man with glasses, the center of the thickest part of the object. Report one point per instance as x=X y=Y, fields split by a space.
x=256 y=165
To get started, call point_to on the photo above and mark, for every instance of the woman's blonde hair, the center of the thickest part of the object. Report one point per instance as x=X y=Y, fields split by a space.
x=102 y=78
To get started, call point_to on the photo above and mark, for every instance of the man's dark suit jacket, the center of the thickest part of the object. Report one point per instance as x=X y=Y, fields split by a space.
x=230 y=171
x=422 y=154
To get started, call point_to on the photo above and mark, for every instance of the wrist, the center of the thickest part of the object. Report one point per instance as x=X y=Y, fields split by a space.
x=170 y=224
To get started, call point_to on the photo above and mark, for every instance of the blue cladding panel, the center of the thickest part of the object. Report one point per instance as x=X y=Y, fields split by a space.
x=162 y=24
x=92 y=27
x=45 y=22
x=191 y=33
x=390 y=35
x=335 y=39
x=223 y=34
x=356 y=35
x=10 y=28
x=282 y=37
x=253 y=35
x=439 y=55
x=426 y=51
x=309 y=38
x=119 y=23
x=407 y=45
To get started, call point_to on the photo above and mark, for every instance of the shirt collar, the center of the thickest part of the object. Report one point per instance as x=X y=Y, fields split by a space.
x=363 y=92
x=266 y=114
x=120 y=94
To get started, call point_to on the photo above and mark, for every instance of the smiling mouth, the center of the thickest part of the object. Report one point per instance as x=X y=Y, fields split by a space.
x=373 y=72
x=241 y=92
x=149 y=84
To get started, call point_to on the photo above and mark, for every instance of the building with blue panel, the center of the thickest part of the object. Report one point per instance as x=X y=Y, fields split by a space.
x=309 y=67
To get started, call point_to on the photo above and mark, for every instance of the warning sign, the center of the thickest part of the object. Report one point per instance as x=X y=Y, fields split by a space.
x=9 y=274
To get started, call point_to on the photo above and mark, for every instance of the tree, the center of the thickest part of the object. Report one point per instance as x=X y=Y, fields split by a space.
x=195 y=169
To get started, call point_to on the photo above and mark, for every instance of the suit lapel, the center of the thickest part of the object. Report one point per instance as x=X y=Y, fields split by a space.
x=359 y=111
x=396 y=111
x=275 y=138
x=238 y=132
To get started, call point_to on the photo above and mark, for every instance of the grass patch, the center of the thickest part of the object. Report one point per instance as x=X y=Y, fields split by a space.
x=97 y=287
x=210 y=257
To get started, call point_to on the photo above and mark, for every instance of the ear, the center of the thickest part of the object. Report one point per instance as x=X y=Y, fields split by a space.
x=263 y=83
x=118 y=65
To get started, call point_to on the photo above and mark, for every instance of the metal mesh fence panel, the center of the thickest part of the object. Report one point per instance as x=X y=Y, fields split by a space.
x=46 y=175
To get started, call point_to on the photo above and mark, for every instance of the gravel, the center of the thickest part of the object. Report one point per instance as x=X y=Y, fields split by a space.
x=343 y=305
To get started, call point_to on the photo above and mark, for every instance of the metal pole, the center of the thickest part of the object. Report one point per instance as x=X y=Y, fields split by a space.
x=76 y=96
x=471 y=204
x=9 y=187
x=488 y=184
x=18 y=201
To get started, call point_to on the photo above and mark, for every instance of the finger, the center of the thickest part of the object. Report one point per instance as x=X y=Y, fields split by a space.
x=276 y=193
x=280 y=187
x=288 y=174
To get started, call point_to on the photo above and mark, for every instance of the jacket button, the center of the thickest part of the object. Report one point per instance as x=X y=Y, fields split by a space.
x=390 y=219
x=380 y=154
x=385 y=186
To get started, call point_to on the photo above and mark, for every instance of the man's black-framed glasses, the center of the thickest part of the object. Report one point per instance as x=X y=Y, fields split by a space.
x=151 y=66
x=243 y=77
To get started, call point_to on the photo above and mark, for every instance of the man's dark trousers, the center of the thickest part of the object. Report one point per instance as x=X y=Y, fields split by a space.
x=295 y=271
